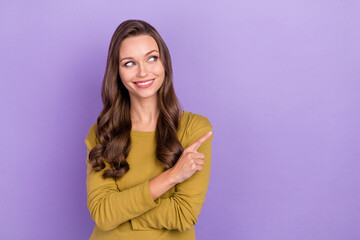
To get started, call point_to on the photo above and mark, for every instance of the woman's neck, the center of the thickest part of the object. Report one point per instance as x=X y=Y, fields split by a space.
x=144 y=114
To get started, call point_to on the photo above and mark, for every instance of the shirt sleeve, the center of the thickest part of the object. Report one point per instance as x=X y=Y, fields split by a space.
x=181 y=210
x=108 y=206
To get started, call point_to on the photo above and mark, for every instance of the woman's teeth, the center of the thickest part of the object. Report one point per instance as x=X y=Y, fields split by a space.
x=145 y=83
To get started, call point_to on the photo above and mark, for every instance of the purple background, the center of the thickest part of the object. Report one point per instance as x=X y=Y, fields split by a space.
x=278 y=80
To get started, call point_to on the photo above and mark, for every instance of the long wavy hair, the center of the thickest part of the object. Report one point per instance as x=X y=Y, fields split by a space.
x=114 y=122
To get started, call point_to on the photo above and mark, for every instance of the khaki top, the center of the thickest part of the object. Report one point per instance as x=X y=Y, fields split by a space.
x=124 y=208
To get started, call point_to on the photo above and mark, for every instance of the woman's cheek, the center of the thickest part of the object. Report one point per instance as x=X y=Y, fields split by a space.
x=127 y=75
x=158 y=69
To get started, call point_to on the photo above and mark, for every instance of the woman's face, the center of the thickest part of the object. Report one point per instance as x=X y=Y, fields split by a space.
x=140 y=67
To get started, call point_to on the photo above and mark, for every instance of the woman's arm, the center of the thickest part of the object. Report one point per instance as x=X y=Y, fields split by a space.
x=181 y=210
x=190 y=161
x=108 y=206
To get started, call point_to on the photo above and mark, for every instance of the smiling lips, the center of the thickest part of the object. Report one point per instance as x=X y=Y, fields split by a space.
x=144 y=84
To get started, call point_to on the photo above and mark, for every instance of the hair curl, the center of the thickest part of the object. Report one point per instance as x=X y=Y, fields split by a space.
x=114 y=122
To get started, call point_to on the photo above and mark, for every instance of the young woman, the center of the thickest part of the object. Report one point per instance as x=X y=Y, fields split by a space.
x=148 y=162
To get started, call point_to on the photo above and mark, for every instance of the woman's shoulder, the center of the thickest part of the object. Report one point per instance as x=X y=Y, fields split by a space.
x=196 y=121
x=91 y=137
x=196 y=126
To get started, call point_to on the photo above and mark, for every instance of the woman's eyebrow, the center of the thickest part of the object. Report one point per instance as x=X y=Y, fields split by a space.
x=133 y=58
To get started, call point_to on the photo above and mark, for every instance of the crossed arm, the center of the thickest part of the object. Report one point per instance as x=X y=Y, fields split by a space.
x=110 y=207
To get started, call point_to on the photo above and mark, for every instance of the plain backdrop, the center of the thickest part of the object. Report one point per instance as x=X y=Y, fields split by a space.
x=279 y=81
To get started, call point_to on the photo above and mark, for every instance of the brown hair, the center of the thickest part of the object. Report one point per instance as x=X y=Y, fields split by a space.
x=114 y=122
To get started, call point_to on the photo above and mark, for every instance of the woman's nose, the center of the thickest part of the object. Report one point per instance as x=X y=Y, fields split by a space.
x=142 y=70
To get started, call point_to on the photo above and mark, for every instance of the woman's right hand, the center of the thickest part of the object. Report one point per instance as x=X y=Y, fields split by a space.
x=190 y=161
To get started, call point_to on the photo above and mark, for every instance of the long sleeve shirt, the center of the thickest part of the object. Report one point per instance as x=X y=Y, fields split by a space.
x=124 y=208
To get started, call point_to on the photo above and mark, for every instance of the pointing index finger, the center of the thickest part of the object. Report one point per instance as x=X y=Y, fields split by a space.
x=195 y=145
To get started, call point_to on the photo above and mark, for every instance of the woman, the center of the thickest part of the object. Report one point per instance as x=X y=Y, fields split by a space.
x=148 y=161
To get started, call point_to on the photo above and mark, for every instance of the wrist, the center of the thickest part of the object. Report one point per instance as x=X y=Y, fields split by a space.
x=171 y=176
x=162 y=183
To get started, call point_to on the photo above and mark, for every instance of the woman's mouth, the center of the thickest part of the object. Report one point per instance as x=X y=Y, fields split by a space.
x=144 y=84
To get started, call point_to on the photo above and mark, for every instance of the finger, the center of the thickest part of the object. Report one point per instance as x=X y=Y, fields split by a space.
x=195 y=145
x=197 y=155
x=199 y=162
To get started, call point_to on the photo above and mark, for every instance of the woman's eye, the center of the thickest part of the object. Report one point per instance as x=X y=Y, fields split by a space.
x=127 y=64
x=155 y=57
x=131 y=63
